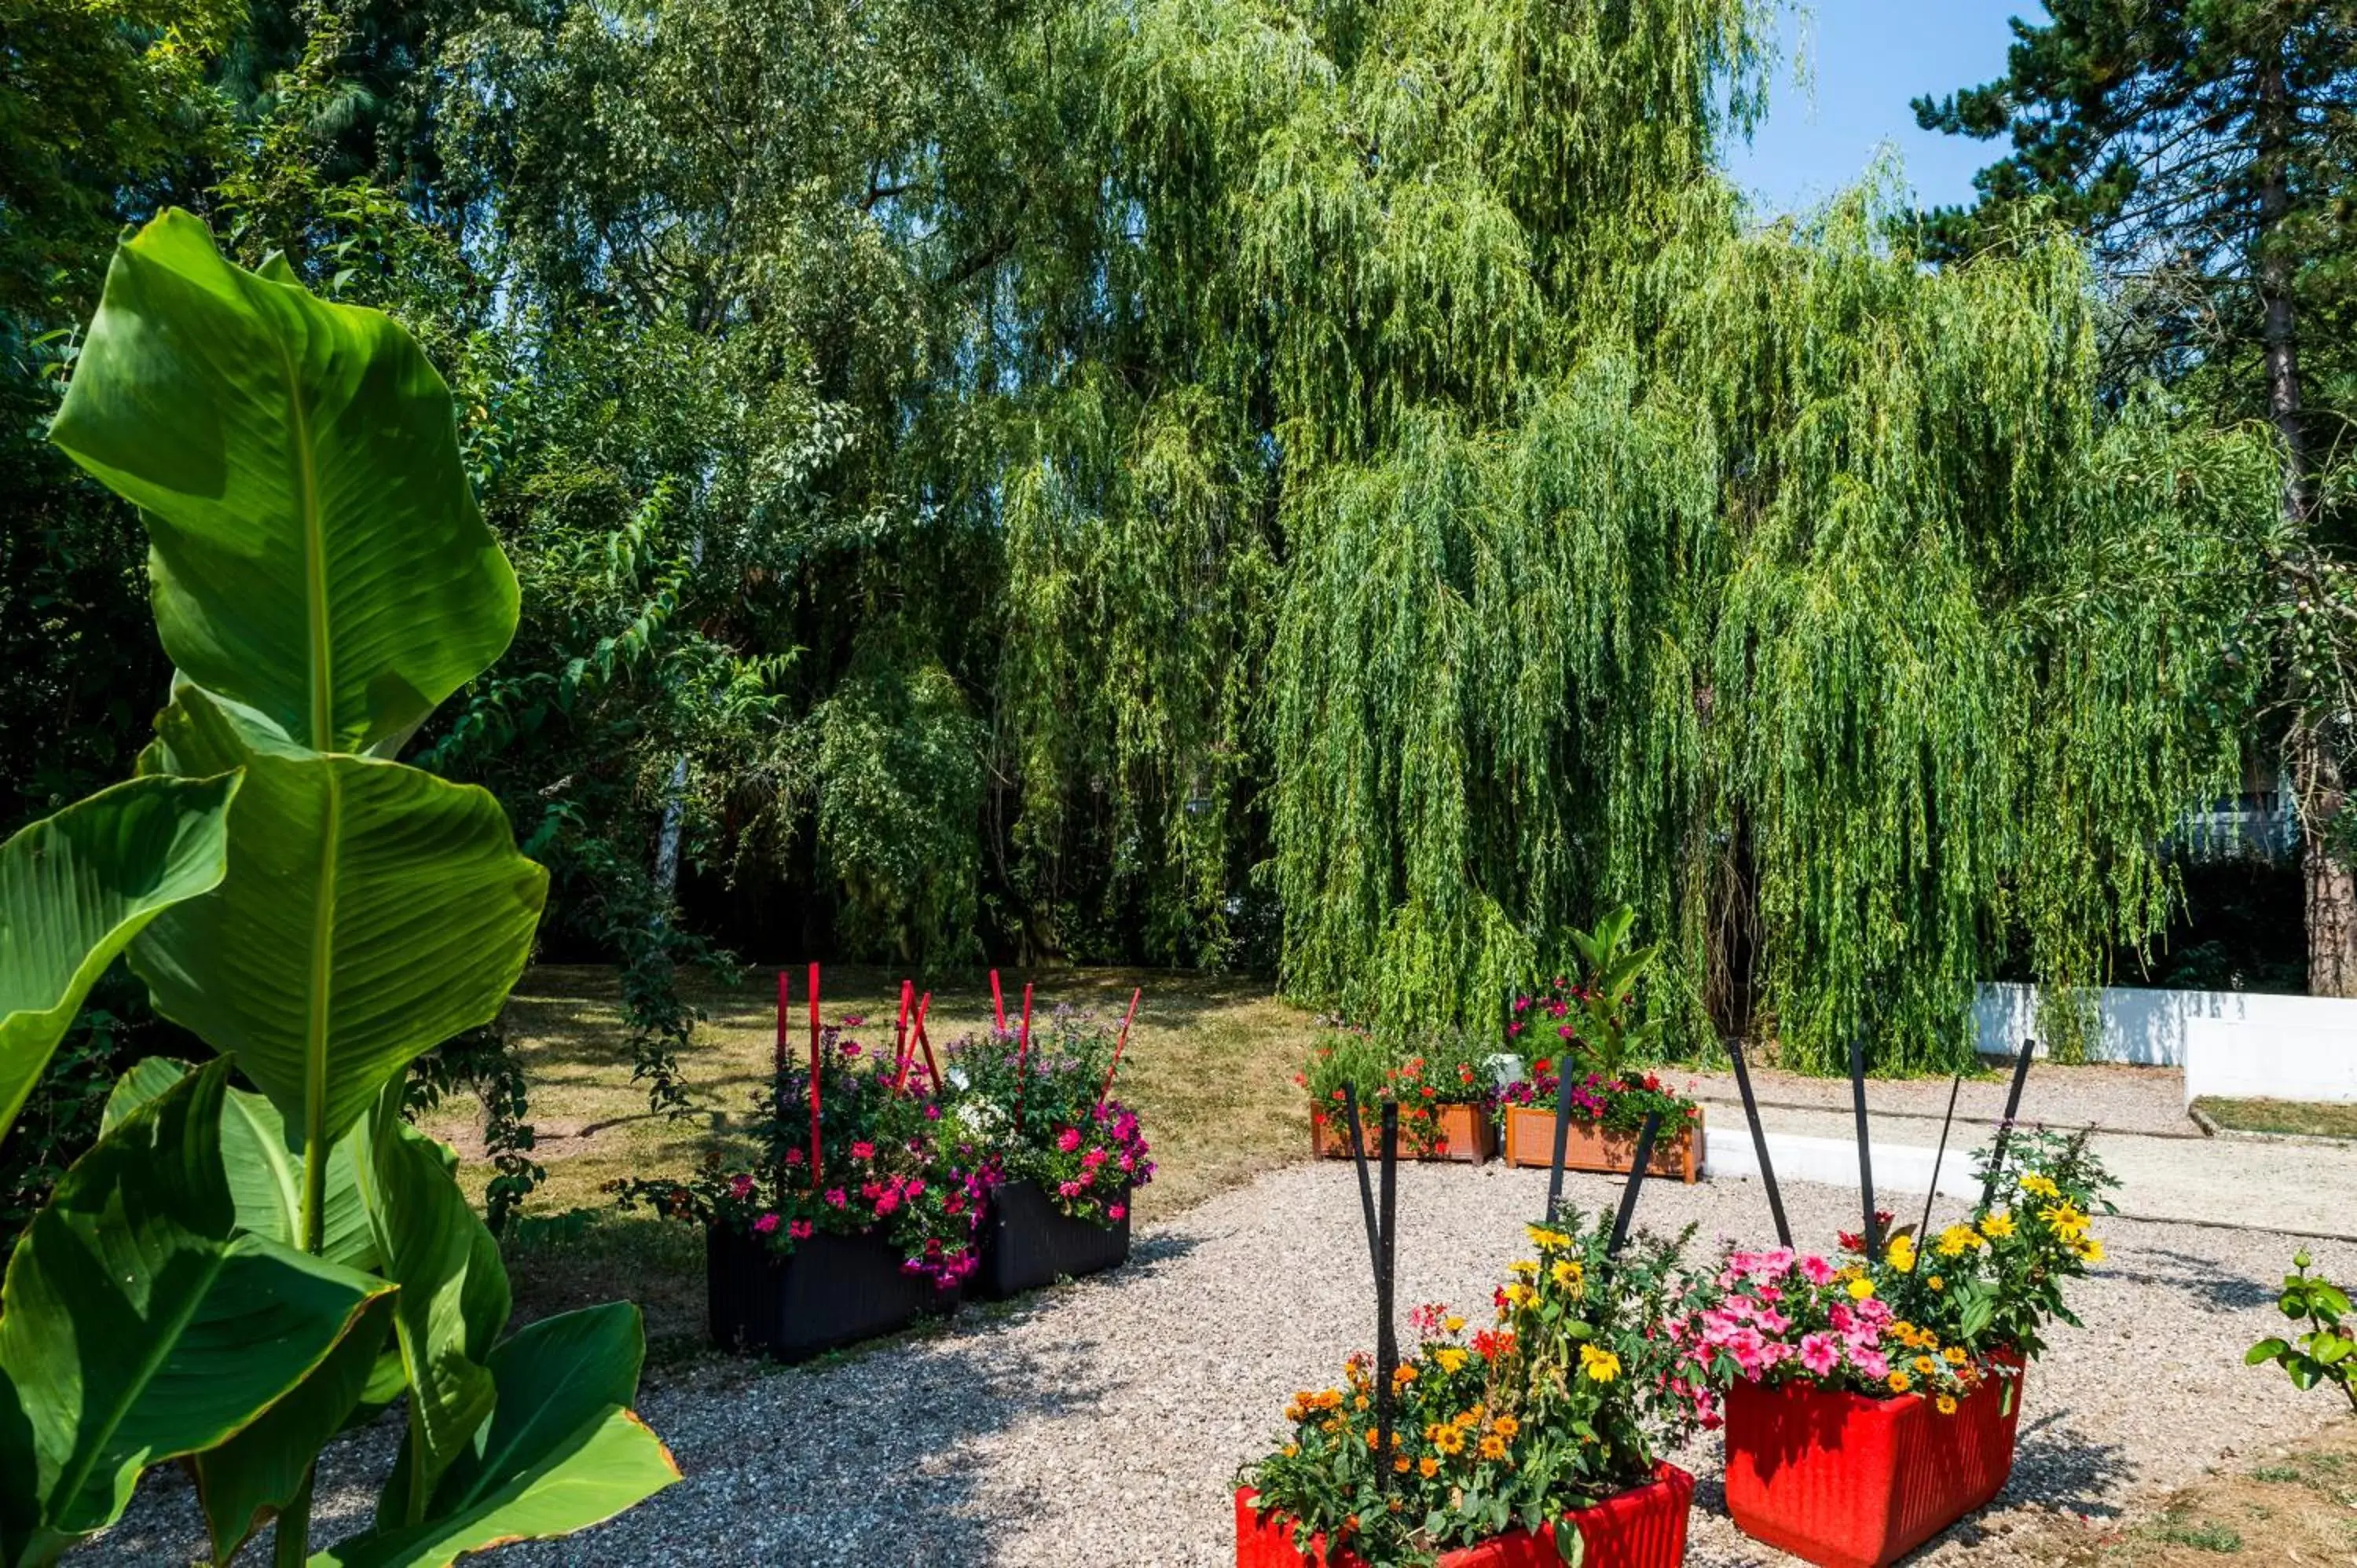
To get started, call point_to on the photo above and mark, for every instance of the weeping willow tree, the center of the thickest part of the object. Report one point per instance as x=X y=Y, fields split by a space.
x=1214 y=462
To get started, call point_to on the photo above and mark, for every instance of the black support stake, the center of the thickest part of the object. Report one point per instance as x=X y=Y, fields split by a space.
x=1923 y=1231
x=1386 y=1338
x=1636 y=1179
x=1872 y=1234
x=1760 y=1146
x=1562 y=1137
x=2005 y=1128
x=1357 y=1130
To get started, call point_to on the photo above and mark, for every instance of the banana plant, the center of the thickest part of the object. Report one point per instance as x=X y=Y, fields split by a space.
x=320 y=915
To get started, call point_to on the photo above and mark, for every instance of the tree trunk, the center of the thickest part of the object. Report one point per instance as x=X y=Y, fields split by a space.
x=2330 y=886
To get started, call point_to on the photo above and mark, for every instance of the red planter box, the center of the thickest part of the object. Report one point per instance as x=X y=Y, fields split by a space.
x=1644 y=1527
x=1845 y=1481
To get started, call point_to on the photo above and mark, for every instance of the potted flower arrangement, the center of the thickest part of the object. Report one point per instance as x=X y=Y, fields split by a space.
x=1587 y=1031
x=1061 y=1157
x=1553 y=1419
x=1873 y=1398
x=1444 y=1088
x=860 y=1213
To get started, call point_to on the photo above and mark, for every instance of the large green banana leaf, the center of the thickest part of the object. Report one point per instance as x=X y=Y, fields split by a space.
x=264 y=1169
x=563 y=1450
x=132 y=1312
x=454 y=1288
x=371 y=911
x=314 y=549
x=76 y=887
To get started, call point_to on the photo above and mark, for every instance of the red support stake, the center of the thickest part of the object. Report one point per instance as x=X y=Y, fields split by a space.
x=814 y=1064
x=932 y=1066
x=997 y=1003
x=1022 y=1050
x=1120 y=1041
x=900 y=1030
x=908 y=1056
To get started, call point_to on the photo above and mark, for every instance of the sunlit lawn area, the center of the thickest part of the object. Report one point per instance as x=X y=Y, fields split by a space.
x=2295 y=1116
x=1209 y=1067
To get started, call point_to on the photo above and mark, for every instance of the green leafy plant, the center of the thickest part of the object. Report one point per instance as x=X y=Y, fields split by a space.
x=233 y=1277
x=2323 y=1350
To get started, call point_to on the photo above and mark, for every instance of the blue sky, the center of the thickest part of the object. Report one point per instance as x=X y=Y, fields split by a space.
x=1865 y=59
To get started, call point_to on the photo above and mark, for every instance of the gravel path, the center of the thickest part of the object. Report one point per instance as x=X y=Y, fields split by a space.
x=2107 y=1095
x=1101 y=1422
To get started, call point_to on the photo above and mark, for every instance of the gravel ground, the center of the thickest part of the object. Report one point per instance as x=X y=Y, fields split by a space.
x=2107 y=1095
x=1103 y=1421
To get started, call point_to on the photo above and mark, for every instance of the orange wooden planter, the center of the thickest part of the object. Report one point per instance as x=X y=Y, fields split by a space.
x=1467 y=1134
x=1530 y=1140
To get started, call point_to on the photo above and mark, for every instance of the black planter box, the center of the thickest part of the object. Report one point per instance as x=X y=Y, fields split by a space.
x=1028 y=1241
x=829 y=1292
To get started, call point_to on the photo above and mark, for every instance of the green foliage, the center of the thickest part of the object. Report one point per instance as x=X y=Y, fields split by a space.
x=192 y=1285
x=77 y=887
x=2320 y=1352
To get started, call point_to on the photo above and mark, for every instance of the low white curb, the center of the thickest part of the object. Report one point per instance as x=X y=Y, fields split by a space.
x=1833 y=1162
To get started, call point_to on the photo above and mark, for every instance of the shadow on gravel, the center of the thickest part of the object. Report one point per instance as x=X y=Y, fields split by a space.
x=2059 y=1466
x=2210 y=1282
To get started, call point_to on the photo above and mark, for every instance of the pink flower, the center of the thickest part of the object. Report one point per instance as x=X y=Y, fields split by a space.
x=834 y=1197
x=739 y=1185
x=850 y=1047
x=1870 y=1364
x=862 y=1149
x=914 y=1188
x=763 y=1226
x=1115 y=1211
x=1817 y=1271
x=1068 y=1138
x=1819 y=1354
x=887 y=1204
x=800 y=1230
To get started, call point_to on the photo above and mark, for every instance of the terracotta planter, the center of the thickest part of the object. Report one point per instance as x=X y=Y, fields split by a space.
x=1467 y=1134
x=829 y=1292
x=1530 y=1140
x=1845 y=1481
x=1028 y=1241
x=1644 y=1527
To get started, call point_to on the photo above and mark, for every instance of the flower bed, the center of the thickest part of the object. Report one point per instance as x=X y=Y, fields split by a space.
x=1554 y=1416
x=1848 y=1481
x=1873 y=1401
x=1441 y=1087
x=1062 y=1158
x=1644 y=1527
x=1591 y=1146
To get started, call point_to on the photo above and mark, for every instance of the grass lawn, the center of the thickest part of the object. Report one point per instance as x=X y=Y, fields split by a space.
x=1209 y=1067
x=2297 y=1505
x=2302 y=1117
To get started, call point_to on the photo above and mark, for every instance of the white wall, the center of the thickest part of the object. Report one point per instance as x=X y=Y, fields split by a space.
x=2236 y=1043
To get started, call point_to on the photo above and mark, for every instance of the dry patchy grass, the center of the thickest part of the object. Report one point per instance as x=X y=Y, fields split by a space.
x=1209 y=1067
x=2300 y=1117
x=2298 y=1505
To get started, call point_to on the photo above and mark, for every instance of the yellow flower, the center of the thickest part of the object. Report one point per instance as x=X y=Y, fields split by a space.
x=1954 y=1354
x=1601 y=1366
x=2090 y=1249
x=1359 y=1403
x=2039 y=1186
x=1507 y=1427
x=1292 y=1450
x=1926 y=1365
x=1493 y=1447
x=1936 y=1282
x=1448 y=1440
x=1998 y=1226
x=1428 y=1467
x=1902 y=1253
x=1860 y=1289
x=1901 y=1383
x=1947 y=1404
x=1546 y=1240
x=1519 y=1294
x=1566 y=1273
x=1453 y=1324
x=2068 y=1222
x=1399 y=1466
x=1371 y=1437
x=1523 y=1267
x=1402 y=1375
x=1958 y=1239
x=1449 y=1359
